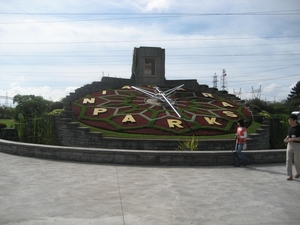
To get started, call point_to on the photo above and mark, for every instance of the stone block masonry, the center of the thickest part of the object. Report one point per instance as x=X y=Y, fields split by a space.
x=138 y=157
x=69 y=133
x=84 y=146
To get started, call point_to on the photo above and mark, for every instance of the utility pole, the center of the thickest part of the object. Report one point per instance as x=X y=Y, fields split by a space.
x=224 y=81
x=256 y=93
x=238 y=94
x=6 y=99
x=215 y=81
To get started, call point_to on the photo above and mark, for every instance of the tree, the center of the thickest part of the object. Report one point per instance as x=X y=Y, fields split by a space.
x=295 y=92
x=293 y=99
x=258 y=105
x=6 y=112
x=31 y=106
x=273 y=108
x=278 y=108
x=56 y=105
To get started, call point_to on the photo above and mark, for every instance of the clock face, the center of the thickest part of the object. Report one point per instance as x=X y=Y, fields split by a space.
x=129 y=111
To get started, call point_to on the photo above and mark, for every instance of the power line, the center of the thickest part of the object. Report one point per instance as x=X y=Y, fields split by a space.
x=35 y=79
x=273 y=12
x=169 y=49
x=139 y=16
x=149 y=40
x=170 y=56
x=201 y=69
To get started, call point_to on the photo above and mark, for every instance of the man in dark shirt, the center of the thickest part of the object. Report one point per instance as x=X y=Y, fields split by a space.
x=293 y=147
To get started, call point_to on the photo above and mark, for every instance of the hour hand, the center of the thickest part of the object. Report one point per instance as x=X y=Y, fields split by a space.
x=160 y=95
x=150 y=94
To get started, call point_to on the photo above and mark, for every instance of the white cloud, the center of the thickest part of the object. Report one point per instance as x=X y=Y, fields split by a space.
x=270 y=88
x=53 y=94
x=71 y=54
x=159 y=5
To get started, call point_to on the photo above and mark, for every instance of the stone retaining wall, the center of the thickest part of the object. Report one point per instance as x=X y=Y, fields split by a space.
x=69 y=133
x=139 y=157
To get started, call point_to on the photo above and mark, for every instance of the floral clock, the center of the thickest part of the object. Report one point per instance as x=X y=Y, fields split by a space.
x=159 y=111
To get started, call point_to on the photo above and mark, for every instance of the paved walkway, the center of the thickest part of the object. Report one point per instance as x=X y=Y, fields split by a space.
x=42 y=192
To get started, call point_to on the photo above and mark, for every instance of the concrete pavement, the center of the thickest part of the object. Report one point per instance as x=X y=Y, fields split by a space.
x=36 y=191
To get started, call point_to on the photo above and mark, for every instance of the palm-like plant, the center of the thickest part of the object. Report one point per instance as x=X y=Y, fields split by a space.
x=189 y=145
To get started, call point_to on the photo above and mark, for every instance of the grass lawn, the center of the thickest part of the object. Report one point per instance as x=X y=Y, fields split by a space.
x=9 y=122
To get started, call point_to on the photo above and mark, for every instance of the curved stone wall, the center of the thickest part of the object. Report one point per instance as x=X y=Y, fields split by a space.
x=69 y=133
x=138 y=157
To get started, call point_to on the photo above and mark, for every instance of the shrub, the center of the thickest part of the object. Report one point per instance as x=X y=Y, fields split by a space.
x=56 y=105
x=2 y=125
x=265 y=114
x=56 y=112
x=255 y=108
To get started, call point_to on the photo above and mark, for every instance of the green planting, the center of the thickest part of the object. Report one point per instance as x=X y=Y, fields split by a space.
x=128 y=111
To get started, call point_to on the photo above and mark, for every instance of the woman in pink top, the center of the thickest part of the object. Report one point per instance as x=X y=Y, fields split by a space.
x=241 y=139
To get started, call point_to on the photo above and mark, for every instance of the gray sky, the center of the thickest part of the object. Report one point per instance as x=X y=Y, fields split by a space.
x=50 y=48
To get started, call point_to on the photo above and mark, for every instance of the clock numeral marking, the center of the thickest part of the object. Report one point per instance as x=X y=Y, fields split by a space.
x=212 y=121
x=207 y=95
x=229 y=113
x=225 y=104
x=174 y=123
x=104 y=92
x=88 y=100
x=99 y=110
x=128 y=118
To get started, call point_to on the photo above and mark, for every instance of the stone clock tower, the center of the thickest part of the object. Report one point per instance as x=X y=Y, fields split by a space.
x=148 y=66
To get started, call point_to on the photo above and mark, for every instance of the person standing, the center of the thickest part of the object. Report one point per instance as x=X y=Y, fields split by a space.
x=293 y=147
x=240 y=143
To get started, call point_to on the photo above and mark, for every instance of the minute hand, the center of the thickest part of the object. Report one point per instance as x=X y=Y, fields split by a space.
x=166 y=99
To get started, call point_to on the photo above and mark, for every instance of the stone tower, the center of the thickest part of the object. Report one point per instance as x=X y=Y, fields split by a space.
x=148 y=66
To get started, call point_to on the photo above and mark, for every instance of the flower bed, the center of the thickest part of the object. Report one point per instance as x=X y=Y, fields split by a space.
x=126 y=110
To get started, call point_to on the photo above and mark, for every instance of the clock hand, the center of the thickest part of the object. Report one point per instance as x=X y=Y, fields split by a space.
x=150 y=94
x=161 y=96
x=170 y=91
x=167 y=100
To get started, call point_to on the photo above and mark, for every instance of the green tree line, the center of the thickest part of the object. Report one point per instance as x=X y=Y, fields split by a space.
x=31 y=113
